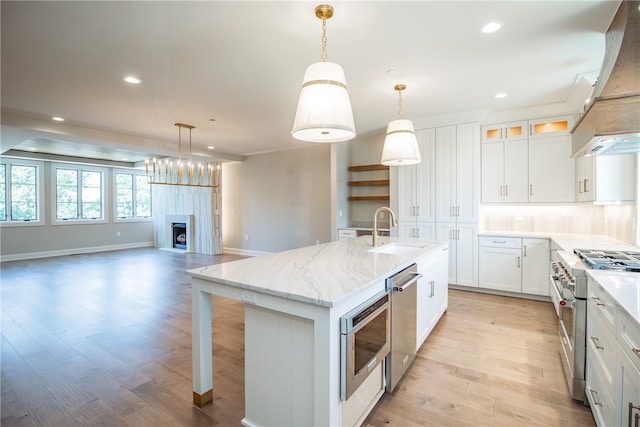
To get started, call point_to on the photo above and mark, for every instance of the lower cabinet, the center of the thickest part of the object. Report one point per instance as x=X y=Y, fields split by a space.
x=463 y=251
x=513 y=264
x=613 y=362
x=432 y=297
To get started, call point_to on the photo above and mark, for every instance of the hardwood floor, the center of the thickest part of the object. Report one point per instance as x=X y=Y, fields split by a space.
x=105 y=340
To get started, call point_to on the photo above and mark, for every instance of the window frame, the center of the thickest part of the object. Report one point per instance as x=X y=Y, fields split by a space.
x=79 y=168
x=133 y=173
x=40 y=191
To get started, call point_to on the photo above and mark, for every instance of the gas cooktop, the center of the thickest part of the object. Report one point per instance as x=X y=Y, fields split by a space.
x=610 y=259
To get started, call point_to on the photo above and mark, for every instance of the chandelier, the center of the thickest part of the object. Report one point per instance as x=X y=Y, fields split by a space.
x=166 y=172
x=400 y=144
x=324 y=110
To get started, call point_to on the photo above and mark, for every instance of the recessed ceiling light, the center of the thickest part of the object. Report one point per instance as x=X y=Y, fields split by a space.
x=491 y=27
x=211 y=147
x=57 y=119
x=500 y=95
x=133 y=80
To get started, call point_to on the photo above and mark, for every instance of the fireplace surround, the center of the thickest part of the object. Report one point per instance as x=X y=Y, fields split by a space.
x=179 y=233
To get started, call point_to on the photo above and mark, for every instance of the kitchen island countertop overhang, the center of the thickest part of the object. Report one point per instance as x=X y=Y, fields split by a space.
x=324 y=274
x=294 y=301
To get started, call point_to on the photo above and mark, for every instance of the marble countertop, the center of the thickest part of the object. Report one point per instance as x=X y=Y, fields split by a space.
x=623 y=287
x=322 y=274
x=566 y=241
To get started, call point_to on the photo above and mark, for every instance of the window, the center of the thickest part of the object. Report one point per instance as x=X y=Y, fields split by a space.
x=78 y=194
x=133 y=195
x=20 y=183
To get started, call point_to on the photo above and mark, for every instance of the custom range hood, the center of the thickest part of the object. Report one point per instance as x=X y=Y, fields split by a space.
x=611 y=122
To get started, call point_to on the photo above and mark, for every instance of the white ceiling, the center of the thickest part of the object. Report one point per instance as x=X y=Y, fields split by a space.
x=241 y=63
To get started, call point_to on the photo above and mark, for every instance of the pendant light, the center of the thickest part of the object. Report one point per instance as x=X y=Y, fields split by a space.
x=324 y=110
x=400 y=144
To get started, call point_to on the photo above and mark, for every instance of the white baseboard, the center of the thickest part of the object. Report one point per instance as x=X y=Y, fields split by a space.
x=247 y=252
x=74 y=251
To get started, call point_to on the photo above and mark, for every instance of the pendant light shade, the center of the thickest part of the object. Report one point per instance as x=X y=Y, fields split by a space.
x=324 y=110
x=400 y=144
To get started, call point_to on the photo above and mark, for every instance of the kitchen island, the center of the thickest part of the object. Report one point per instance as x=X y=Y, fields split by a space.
x=293 y=304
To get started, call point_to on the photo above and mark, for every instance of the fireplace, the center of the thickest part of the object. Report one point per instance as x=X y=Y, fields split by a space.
x=179 y=233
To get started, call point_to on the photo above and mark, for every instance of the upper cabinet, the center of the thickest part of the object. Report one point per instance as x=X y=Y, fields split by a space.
x=504 y=131
x=534 y=165
x=606 y=179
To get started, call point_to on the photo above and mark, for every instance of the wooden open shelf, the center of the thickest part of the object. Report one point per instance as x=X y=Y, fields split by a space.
x=368 y=168
x=361 y=198
x=372 y=182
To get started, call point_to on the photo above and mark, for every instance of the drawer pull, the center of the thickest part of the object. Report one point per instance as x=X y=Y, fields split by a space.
x=594 y=394
x=598 y=301
x=596 y=342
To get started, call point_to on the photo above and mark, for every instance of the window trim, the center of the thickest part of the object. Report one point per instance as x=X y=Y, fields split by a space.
x=54 y=192
x=40 y=191
x=133 y=172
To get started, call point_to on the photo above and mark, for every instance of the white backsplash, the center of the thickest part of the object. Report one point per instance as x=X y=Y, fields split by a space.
x=617 y=222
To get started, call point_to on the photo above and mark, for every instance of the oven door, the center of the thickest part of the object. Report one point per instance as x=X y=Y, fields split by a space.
x=572 y=330
x=365 y=340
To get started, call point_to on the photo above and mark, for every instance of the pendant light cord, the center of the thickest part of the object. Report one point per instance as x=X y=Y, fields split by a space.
x=323 y=56
x=399 y=104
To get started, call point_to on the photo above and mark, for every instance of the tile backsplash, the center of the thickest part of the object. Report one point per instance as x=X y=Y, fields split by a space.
x=616 y=221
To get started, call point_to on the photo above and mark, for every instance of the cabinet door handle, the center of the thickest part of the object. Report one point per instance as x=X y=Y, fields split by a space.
x=457 y=210
x=598 y=301
x=580 y=187
x=418 y=210
x=432 y=283
x=518 y=262
x=631 y=408
x=525 y=250
x=530 y=130
x=596 y=342
x=531 y=189
x=501 y=192
x=458 y=234
x=417 y=232
x=594 y=394
x=506 y=190
x=586 y=180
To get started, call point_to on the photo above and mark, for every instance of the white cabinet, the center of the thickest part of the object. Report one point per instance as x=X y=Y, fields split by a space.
x=613 y=361
x=504 y=131
x=504 y=171
x=432 y=294
x=551 y=170
x=514 y=264
x=530 y=166
x=416 y=191
x=500 y=263
x=603 y=179
x=535 y=266
x=416 y=183
x=457 y=173
x=463 y=251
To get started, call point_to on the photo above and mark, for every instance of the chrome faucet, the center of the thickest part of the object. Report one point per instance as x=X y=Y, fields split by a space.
x=392 y=222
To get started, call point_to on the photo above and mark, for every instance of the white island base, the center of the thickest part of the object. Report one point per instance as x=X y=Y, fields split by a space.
x=293 y=304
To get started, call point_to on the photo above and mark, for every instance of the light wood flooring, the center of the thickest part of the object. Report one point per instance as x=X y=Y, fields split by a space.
x=105 y=340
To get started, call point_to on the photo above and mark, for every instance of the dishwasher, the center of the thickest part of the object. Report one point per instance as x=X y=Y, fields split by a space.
x=402 y=286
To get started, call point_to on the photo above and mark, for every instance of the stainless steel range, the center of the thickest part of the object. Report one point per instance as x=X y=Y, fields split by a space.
x=610 y=259
x=568 y=289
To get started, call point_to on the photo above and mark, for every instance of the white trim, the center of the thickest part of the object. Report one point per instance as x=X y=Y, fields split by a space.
x=236 y=251
x=40 y=182
x=74 y=251
x=114 y=188
x=105 y=189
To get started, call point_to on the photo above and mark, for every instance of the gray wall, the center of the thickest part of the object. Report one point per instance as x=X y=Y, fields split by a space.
x=18 y=242
x=277 y=201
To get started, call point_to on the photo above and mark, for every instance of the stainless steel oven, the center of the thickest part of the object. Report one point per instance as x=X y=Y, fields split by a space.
x=365 y=341
x=569 y=287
